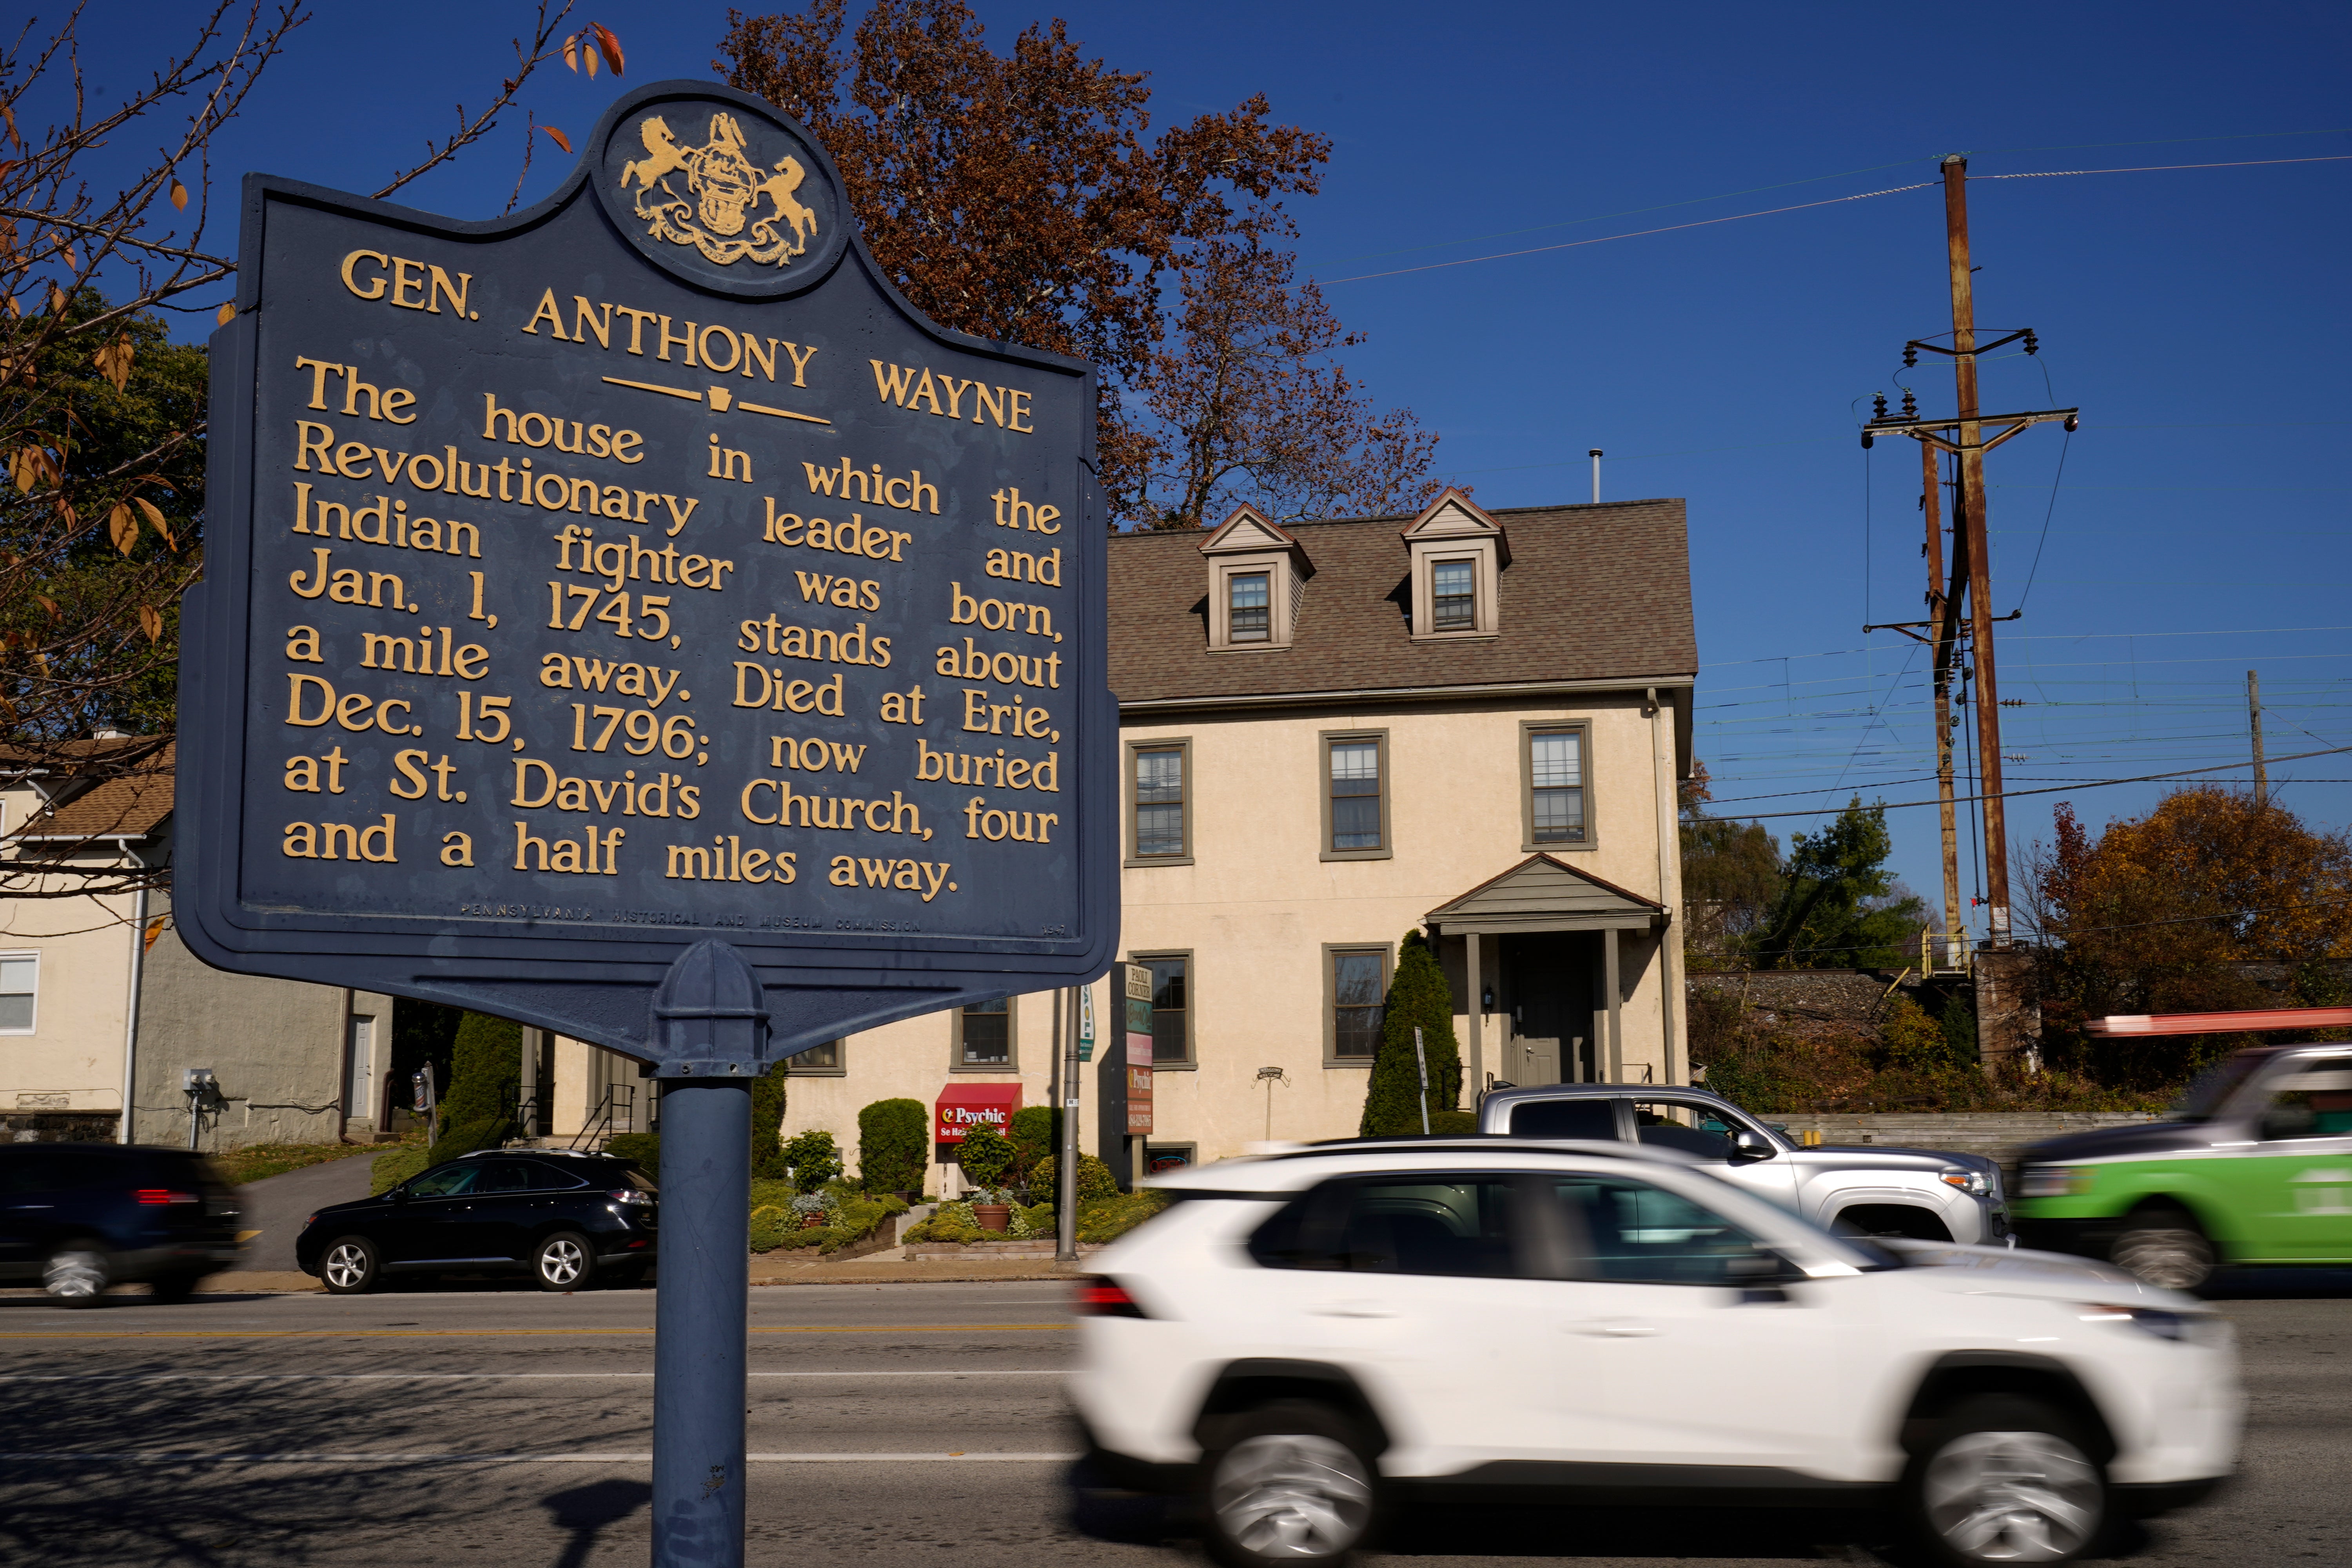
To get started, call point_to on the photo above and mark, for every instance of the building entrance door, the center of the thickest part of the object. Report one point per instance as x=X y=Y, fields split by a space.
x=1546 y=976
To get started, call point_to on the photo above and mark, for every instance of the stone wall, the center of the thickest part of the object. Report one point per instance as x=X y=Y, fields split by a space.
x=1810 y=1003
x=2002 y=1134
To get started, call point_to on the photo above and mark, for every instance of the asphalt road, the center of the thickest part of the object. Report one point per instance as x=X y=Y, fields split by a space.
x=886 y=1422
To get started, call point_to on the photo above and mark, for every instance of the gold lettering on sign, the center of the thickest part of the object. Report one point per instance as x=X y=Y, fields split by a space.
x=914 y=387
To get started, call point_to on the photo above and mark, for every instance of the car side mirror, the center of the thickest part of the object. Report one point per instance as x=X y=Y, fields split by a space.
x=1748 y=1144
x=398 y=1195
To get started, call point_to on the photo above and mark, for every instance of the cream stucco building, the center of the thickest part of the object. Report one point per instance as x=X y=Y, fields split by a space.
x=1333 y=732
x=102 y=1006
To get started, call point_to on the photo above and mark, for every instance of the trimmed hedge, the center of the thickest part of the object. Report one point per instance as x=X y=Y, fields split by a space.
x=1114 y=1217
x=642 y=1149
x=1094 y=1180
x=853 y=1222
x=986 y=1155
x=893 y=1146
x=464 y=1137
x=390 y=1170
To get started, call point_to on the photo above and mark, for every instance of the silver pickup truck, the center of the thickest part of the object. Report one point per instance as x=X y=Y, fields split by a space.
x=1923 y=1195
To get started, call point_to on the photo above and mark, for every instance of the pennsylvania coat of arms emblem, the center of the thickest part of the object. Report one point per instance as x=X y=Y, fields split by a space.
x=731 y=210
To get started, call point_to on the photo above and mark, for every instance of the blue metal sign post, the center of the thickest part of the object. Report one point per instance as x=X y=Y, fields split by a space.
x=632 y=618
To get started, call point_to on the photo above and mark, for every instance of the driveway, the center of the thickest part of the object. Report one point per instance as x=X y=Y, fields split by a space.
x=275 y=1206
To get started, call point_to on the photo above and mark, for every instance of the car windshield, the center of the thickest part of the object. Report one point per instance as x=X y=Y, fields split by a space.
x=2213 y=1089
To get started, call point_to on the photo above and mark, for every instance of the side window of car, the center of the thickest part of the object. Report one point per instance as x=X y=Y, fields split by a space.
x=446 y=1181
x=547 y=1178
x=1677 y=1124
x=1459 y=1227
x=2313 y=1102
x=1594 y=1119
x=1631 y=1232
x=504 y=1176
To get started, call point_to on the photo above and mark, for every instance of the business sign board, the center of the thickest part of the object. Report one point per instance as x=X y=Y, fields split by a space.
x=964 y=1106
x=640 y=571
x=1138 y=1050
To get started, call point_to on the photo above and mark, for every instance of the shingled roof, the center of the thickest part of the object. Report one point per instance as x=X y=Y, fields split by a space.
x=1593 y=593
x=132 y=805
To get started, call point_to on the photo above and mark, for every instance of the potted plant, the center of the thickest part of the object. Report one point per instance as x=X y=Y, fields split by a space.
x=986 y=1155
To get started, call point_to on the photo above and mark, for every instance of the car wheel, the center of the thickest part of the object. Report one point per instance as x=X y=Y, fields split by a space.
x=350 y=1267
x=2005 y=1480
x=78 y=1274
x=563 y=1262
x=174 y=1286
x=1291 y=1483
x=2164 y=1248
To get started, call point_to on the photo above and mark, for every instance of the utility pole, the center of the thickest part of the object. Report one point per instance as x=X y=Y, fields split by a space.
x=2000 y=978
x=1931 y=503
x=1972 y=520
x=2254 y=717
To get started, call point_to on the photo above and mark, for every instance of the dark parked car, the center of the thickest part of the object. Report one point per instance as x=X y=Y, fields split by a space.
x=568 y=1220
x=78 y=1218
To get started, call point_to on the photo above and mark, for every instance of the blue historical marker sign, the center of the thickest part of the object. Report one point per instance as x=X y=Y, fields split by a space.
x=636 y=572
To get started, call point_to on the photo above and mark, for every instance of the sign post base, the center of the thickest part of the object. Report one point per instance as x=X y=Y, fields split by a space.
x=711 y=1017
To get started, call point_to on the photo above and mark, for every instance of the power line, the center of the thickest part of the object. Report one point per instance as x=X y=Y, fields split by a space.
x=2054 y=789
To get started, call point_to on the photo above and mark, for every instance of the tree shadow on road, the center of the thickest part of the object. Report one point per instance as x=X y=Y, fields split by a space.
x=587 y=1511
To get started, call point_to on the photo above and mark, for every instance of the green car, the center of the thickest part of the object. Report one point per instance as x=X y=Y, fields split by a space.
x=2253 y=1167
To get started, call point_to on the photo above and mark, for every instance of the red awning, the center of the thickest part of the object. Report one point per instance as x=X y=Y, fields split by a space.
x=964 y=1106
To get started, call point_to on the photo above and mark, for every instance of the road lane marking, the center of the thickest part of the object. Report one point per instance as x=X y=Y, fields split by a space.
x=479 y=1376
x=168 y=1457
x=499 y=1334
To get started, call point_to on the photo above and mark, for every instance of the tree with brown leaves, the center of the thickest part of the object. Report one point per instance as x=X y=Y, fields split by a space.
x=2159 y=913
x=1022 y=197
x=101 y=416
x=1248 y=404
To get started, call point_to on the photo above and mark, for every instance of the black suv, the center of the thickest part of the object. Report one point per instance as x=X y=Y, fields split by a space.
x=566 y=1219
x=78 y=1218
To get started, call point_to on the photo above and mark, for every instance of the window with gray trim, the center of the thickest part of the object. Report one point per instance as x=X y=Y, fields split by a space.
x=20 y=984
x=1249 y=607
x=1556 y=786
x=1354 y=769
x=1454 y=596
x=1359 y=989
x=1160 y=801
x=1171 y=1007
x=825 y=1061
x=984 y=1036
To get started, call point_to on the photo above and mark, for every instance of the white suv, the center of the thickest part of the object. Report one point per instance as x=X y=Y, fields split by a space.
x=1307 y=1338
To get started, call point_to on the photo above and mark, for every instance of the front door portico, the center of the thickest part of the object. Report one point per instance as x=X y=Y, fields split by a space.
x=1549 y=942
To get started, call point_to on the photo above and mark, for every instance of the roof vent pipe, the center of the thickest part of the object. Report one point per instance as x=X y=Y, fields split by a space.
x=1595 y=454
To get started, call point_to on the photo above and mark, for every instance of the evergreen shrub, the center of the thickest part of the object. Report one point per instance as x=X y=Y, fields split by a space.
x=767 y=1122
x=1036 y=1135
x=642 y=1149
x=986 y=1155
x=388 y=1170
x=813 y=1159
x=1418 y=998
x=893 y=1146
x=1094 y=1180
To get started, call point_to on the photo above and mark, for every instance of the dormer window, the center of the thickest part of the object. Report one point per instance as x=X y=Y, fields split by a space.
x=1458 y=555
x=1249 y=607
x=1453 y=595
x=1257 y=580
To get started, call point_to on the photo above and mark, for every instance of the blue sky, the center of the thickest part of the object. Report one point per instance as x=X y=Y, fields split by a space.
x=2197 y=317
